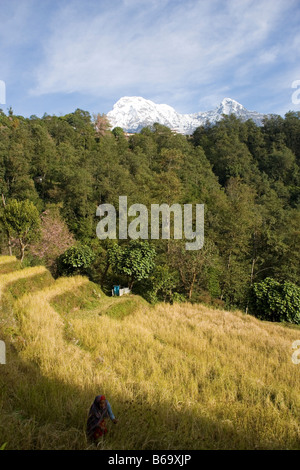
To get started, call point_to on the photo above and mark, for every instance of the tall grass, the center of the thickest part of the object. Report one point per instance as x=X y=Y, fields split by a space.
x=7 y=259
x=177 y=377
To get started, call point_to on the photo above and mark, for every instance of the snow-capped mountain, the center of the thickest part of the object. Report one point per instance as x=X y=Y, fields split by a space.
x=132 y=113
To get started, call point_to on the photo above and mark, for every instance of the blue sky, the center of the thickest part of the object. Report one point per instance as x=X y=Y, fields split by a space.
x=60 y=55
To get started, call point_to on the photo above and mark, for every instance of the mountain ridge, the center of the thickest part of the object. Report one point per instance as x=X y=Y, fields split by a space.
x=132 y=113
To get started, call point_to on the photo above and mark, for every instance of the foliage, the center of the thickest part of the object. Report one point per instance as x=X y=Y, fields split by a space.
x=135 y=260
x=275 y=301
x=247 y=176
x=101 y=124
x=21 y=221
x=118 y=132
x=75 y=260
x=193 y=266
x=55 y=237
x=161 y=285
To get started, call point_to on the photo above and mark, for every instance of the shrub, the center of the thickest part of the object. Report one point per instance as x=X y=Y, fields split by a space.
x=135 y=260
x=159 y=286
x=75 y=260
x=275 y=301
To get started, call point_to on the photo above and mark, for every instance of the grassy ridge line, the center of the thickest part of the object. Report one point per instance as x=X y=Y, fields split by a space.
x=7 y=259
x=231 y=343
x=172 y=351
x=43 y=329
x=13 y=276
x=63 y=366
x=89 y=300
x=179 y=377
x=44 y=346
x=7 y=313
x=208 y=366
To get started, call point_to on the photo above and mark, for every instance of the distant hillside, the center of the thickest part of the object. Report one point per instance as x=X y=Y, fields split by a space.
x=247 y=177
x=132 y=113
x=177 y=376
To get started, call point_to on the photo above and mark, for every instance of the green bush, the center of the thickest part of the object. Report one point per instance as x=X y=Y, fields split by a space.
x=135 y=260
x=75 y=260
x=275 y=301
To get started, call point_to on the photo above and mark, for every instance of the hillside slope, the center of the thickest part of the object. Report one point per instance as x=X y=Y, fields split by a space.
x=178 y=376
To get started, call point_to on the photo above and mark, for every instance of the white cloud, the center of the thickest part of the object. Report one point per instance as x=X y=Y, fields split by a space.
x=159 y=48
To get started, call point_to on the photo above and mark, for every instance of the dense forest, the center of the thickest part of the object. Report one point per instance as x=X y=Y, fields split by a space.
x=248 y=178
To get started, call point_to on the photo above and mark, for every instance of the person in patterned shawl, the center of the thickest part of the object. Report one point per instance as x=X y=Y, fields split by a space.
x=99 y=411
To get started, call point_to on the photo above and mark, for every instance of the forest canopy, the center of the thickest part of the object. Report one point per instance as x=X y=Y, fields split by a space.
x=246 y=176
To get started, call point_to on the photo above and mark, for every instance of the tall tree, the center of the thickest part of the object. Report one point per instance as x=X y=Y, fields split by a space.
x=55 y=237
x=21 y=221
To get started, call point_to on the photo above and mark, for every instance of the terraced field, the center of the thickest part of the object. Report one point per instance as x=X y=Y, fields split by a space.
x=177 y=376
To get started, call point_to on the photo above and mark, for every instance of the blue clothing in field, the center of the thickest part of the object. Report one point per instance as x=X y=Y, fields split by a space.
x=97 y=415
x=109 y=410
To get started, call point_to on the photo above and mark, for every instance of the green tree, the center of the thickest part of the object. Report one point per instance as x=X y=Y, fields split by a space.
x=193 y=266
x=291 y=128
x=21 y=221
x=275 y=301
x=135 y=260
x=161 y=285
x=75 y=260
x=118 y=131
x=235 y=241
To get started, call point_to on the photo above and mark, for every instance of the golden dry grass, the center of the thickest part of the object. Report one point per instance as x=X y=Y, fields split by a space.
x=7 y=259
x=178 y=376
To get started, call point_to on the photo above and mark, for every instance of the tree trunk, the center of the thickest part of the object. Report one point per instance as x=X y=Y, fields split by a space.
x=130 y=283
x=252 y=267
x=22 y=248
x=192 y=285
x=9 y=245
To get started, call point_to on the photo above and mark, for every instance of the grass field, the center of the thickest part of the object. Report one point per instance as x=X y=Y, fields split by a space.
x=177 y=376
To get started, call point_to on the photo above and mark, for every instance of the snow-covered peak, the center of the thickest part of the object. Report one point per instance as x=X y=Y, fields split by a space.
x=138 y=106
x=229 y=106
x=132 y=113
